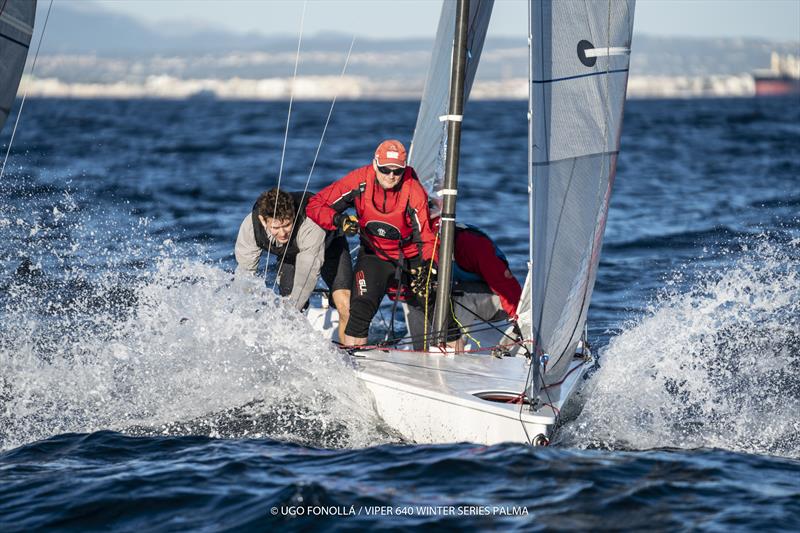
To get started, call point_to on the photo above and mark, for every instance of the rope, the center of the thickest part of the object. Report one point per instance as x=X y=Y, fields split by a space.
x=461 y=326
x=487 y=322
x=365 y=347
x=409 y=339
x=427 y=292
x=286 y=133
x=25 y=93
x=316 y=155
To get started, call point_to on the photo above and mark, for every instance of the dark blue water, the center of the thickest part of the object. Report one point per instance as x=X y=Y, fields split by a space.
x=142 y=389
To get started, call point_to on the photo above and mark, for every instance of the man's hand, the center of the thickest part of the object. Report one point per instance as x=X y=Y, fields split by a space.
x=421 y=284
x=514 y=320
x=347 y=223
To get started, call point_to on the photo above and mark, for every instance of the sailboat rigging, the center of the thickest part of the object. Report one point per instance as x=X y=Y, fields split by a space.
x=578 y=72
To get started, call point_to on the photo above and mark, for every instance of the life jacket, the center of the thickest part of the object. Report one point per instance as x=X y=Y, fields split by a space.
x=459 y=274
x=389 y=235
x=292 y=249
x=401 y=294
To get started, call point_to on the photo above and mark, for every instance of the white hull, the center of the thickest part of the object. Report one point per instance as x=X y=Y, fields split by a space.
x=324 y=319
x=436 y=398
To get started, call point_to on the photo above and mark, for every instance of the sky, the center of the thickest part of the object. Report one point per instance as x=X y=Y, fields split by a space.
x=777 y=20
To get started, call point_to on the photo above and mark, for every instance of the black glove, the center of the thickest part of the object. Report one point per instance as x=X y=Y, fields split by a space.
x=347 y=223
x=516 y=329
x=420 y=282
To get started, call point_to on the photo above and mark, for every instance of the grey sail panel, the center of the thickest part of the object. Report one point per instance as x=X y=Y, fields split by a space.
x=579 y=73
x=429 y=143
x=16 y=28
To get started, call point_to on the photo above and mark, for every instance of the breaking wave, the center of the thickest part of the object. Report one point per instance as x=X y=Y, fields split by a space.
x=717 y=365
x=153 y=343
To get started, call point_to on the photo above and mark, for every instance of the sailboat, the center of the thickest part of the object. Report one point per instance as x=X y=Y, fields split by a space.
x=579 y=60
x=16 y=29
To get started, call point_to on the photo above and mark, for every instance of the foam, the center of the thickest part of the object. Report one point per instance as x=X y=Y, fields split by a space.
x=171 y=345
x=717 y=365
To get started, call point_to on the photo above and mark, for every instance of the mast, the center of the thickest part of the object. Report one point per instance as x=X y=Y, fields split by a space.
x=535 y=383
x=448 y=220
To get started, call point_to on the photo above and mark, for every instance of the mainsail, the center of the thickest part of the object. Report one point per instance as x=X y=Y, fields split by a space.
x=16 y=28
x=429 y=143
x=578 y=79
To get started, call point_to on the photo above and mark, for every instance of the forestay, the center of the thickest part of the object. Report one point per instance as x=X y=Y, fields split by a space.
x=579 y=74
x=16 y=28
x=428 y=146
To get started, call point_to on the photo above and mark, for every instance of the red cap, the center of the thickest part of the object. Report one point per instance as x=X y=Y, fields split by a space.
x=391 y=152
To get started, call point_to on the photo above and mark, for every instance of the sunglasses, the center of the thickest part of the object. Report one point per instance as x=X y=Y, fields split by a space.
x=390 y=170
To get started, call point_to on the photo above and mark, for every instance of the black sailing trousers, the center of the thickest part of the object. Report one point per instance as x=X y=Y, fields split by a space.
x=373 y=275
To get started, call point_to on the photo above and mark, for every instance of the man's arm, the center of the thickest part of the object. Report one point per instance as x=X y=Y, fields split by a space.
x=335 y=198
x=419 y=203
x=311 y=242
x=247 y=252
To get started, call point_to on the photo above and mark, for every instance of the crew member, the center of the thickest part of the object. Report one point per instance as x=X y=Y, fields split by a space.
x=478 y=265
x=396 y=239
x=278 y=224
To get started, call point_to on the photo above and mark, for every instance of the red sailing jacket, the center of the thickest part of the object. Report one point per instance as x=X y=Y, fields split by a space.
x=389 y=220
x=476 y=253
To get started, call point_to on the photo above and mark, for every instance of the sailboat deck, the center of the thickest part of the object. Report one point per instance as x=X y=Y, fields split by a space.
x=462 y=373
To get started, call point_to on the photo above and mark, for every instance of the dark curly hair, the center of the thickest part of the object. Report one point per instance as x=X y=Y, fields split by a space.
x=275 y=204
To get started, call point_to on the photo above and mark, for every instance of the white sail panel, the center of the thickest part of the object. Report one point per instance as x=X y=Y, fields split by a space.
x=16 y=28
x=429 y=143
x=579 y=73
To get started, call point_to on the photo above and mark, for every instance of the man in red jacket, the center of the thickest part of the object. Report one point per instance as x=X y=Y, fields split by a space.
x=478 y=265
x=478 y=259
x=393 y=220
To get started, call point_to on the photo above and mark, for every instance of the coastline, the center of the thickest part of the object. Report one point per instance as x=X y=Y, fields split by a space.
x=361 y=88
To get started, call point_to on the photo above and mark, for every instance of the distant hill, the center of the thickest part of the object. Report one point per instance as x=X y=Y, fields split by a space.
x=74 y=30
x=90 y=53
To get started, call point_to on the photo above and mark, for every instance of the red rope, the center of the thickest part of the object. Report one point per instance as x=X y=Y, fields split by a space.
x=474 y=350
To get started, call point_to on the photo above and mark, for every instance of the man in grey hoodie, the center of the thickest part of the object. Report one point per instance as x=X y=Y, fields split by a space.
x=304 y=251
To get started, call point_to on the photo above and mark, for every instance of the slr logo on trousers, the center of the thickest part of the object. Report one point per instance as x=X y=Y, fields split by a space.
x=361 y=283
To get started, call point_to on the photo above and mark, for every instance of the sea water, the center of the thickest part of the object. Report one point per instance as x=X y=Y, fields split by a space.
x=142 y=387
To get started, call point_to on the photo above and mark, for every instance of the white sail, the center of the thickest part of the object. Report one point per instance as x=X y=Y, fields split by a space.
x=579 y=74
x=429 y=143
x=16 y=28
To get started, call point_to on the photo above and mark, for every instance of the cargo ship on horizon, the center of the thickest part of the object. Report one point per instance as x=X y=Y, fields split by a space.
x=781 y=79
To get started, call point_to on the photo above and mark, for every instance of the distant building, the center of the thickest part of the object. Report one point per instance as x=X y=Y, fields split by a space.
x=782 y=78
